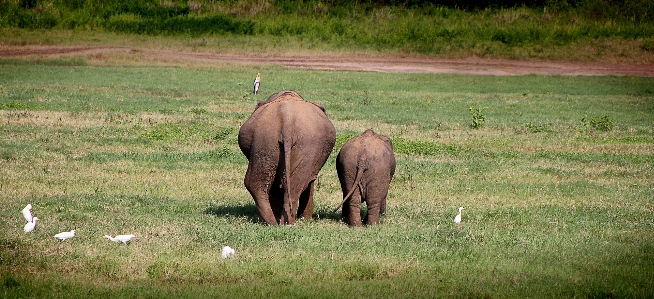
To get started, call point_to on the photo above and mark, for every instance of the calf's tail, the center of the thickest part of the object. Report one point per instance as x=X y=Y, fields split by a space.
x=357 y=180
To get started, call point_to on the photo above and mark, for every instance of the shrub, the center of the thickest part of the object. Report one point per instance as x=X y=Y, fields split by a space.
x=536 y=128
x=126 y=23
x=149 y=11
x=517 y=36
x=131 y=23
x=29 y=19
x=647 y=45
x=80 y=19
x=601 y=123
x=564 y=35
x=478 y=117
x=27 y=3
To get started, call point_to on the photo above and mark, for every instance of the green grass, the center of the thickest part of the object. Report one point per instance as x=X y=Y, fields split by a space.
x=553 y=207
x=618 y=31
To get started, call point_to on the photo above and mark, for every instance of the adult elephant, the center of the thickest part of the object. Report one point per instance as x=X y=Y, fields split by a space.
x=286 y=141
x=365 y=167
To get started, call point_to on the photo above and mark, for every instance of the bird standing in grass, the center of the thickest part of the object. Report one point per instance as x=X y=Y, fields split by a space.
x=257 y=82
x=120 y=238
x=457 y=219
x=65 y=235
x=27 y=212
x=30 y=225
x=227 y=252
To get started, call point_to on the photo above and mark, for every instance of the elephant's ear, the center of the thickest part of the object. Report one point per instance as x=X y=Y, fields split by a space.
x=259 y=104
x=321 y=108
x=388 y=140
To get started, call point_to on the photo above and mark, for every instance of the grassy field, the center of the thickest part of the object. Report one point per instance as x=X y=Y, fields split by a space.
x=557 y=184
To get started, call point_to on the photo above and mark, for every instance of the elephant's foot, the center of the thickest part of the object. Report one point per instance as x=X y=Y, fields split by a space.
x=269 y=220
x=354 y=220
x=373 y=214
x=370 y=221
x=286 y=219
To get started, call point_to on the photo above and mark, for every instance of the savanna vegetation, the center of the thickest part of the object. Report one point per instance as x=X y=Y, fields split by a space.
x=542 y=29
x=555 y=174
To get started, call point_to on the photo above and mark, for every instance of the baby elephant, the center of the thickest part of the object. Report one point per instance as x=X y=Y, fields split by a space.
x=365 y=167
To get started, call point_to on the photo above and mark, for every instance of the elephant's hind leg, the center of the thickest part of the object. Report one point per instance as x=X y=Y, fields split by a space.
x=354 y=207
x=305 y=208
x=345 y=210
x=373 y=214
x=259 y=192
x=263 y=205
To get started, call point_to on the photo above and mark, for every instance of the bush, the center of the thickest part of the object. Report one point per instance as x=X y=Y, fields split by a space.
x=632 y=11
x=150 y=11
x=28 y=19
x=511 y=36
x=478 y=117
x=647 y=45
x=126 y=23
x=76 y=19
x=536 y=127
x=130 y=23
x=601 y=123
x=27 y=3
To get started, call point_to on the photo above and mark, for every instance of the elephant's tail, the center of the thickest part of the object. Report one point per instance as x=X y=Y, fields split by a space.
x=357 y=179
x=288 y=202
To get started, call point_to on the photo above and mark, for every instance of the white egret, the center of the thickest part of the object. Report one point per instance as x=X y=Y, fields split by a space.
x=27 y=212
x=120 y=238
x=257 y=82
x=30 y=225
x=227 y=252
x=457 y=219
x=65 y=235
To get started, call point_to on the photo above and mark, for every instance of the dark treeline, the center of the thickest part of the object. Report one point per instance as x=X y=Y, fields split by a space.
x=637 y=10
x=252 y=16
x=633 y=10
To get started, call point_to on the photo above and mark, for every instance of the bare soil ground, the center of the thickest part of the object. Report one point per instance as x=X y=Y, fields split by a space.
x=364 y=63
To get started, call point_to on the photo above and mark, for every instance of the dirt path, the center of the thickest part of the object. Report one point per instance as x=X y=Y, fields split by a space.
x=393 y=64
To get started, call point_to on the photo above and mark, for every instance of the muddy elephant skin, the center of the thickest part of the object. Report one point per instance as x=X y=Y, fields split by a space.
x=365 y=166
x=286 y=141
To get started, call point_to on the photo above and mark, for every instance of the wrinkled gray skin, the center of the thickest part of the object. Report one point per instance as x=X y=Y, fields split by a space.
x=365 y=166
x=286 y=141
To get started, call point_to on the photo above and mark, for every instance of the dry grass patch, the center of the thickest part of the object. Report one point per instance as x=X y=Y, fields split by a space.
x=50 y=119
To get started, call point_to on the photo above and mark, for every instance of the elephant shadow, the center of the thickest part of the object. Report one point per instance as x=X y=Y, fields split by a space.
x=248 y=211
x=325 y=212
